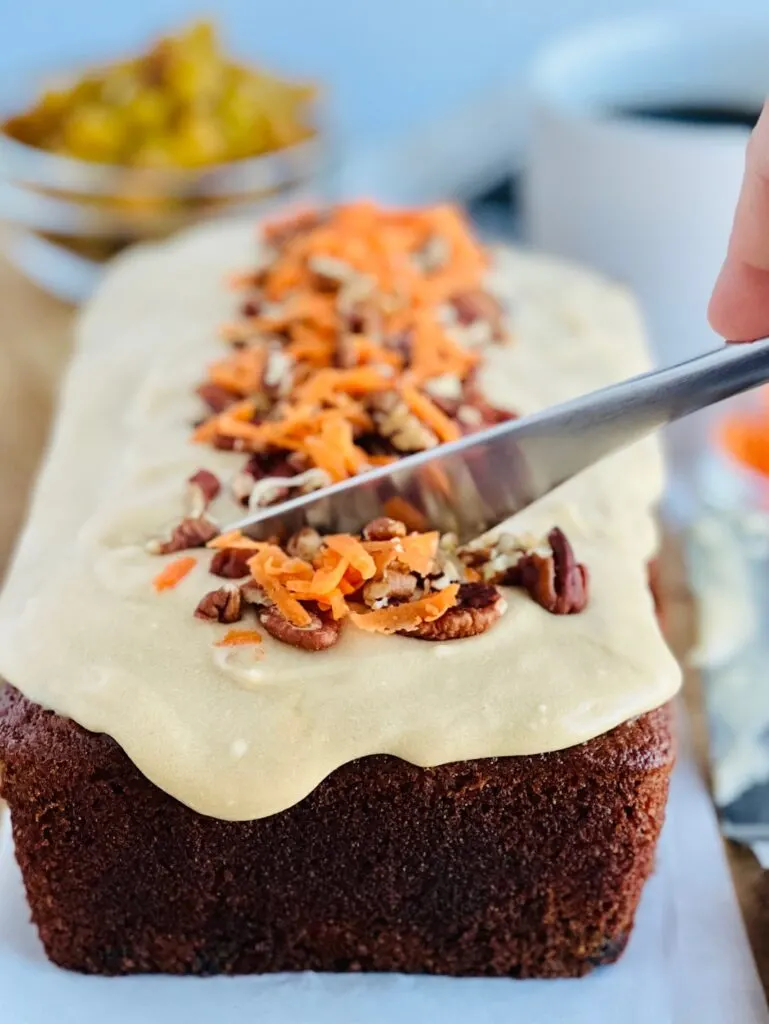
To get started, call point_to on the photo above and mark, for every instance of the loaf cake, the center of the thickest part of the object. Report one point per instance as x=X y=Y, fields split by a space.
x=388 y=750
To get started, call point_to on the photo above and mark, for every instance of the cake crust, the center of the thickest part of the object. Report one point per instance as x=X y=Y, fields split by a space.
x=528 y=866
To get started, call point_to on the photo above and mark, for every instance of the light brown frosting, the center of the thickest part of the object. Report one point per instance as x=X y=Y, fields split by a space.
x=241 y=735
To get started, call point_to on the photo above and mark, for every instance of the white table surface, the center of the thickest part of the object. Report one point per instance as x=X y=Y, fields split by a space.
x=688 y=962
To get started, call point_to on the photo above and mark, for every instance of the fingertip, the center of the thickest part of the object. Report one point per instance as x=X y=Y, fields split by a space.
x=739 y=305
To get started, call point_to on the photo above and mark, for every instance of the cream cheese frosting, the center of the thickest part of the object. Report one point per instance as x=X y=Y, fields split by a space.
x=246 y=732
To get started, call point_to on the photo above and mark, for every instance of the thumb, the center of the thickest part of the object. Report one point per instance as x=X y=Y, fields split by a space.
x=739 y=306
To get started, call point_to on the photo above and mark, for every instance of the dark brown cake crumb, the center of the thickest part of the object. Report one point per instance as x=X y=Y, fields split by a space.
x=514 y=866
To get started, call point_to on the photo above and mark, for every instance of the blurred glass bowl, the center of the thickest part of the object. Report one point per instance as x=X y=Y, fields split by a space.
x=66 y=217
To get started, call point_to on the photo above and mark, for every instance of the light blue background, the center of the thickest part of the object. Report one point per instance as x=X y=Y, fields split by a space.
x=392 y=64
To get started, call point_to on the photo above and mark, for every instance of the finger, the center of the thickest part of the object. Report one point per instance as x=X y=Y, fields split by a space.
x=739 y=306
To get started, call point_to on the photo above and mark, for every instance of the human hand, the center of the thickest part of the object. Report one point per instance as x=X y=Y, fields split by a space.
x=739 y=306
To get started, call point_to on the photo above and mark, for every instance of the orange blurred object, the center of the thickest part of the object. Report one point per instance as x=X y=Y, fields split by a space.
x=745 y=436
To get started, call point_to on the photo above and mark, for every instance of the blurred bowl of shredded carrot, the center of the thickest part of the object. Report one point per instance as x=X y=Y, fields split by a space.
x=139 y=147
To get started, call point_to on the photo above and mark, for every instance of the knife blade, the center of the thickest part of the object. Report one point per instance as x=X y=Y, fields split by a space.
x=472 y=484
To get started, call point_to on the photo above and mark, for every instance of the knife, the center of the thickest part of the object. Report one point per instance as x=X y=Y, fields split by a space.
x=472 y=484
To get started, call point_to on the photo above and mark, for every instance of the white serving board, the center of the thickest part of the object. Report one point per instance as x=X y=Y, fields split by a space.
x=687 y=963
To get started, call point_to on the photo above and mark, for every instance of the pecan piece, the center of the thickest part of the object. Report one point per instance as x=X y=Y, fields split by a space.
x=230 y=563
x=252 y=593
x=395 y=421
x=477 y=304
x=191 y=532
x=282 y=232
x=557 y=581
x=384 y=528
x=345 y=355
x=202 y=488
x=395 y=585
x=278 y=375
x=222 y=605
x=253 y=306
x=305 y=543
x=216 y=397
x=478 y=607
x=475 y=411
x=322 y=633
x=402 y=342
x=364 y=317
x=263 y=465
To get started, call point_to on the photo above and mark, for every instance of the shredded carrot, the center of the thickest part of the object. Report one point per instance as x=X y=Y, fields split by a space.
x=338 y=605
x=206 y=432
x=354 y=314
x=354 y=295
x=409 y=615
x=367 y=351
x=324 y=581
x=242 y=372
x=294 y=568
x=418 y=551
x=352 y=550
x=263 y=569
x=173 y=573
x=239 y=638
x=237 y=413
x=361 y=380
x=383 y=556
x=430 y=414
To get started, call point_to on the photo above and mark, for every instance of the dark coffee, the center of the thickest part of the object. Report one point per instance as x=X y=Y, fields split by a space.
x=694 y=113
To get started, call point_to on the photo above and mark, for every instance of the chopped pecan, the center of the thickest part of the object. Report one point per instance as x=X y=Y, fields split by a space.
x=273 y=488
x=263 y=465
x=483 y=413
x=278 y=376
x=223 y=443
x=222 y=605
x=447 y=387
x=345 y=355
x=478 y=607
x=557 y=582
x=252 y=307
x=252 y=593
x=398 y=424
x=322 y=633
x=402 y=343
x=384 y=528
x=305 y=543
x=191 y=532
x=477 y=304
x=284 y=231
x=216 y=397
x=332 y=270
x=202 y=488
x=394 y=585
x=241 y=486
x=450 y=406
x=435 y=254
x=230 y=563
x=365 y=317
x=470 y=419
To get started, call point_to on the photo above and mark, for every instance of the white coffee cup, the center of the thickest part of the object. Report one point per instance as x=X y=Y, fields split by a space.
x=647 y=201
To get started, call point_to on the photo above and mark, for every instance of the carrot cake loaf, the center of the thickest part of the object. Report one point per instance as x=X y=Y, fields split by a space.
x=380 y=751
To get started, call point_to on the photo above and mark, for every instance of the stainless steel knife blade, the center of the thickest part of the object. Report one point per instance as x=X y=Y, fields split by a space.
x=471 y=485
